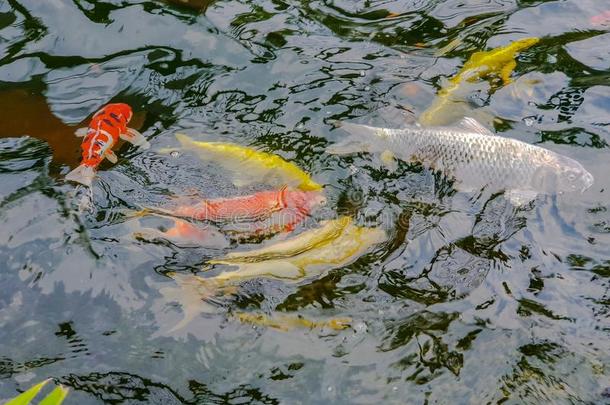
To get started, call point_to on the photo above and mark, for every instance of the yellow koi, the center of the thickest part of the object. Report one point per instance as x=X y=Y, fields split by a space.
x=249 y=165
x=286 y=322
x=481 y=65
x=311 y=239
x=349 y=245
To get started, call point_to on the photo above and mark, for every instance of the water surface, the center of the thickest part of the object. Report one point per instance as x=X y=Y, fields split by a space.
x=471 y=300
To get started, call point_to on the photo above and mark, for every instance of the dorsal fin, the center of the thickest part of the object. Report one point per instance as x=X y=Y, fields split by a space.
x=475 y=126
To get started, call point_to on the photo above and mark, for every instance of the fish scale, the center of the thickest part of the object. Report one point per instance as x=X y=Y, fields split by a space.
x=474 y=157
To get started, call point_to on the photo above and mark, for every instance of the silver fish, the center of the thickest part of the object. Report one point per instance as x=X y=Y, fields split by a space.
x=474 y=156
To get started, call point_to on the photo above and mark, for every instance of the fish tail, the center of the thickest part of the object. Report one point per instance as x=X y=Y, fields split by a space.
x=361 y=138
x=83 y=174
x=194 y=295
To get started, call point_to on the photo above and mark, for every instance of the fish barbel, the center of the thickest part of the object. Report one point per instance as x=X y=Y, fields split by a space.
x=250 y=165
x=475 y=157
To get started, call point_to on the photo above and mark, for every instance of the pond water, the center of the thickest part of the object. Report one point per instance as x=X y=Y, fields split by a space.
x=470 y=300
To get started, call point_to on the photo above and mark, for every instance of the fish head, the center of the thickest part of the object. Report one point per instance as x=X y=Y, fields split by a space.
x=525 y=43
x=572 y=176
x=124 y=110
x=120 y=109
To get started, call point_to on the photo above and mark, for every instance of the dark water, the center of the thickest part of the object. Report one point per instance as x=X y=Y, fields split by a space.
x=470 y=301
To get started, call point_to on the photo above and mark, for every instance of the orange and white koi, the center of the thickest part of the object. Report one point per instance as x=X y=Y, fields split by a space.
x=106 y=127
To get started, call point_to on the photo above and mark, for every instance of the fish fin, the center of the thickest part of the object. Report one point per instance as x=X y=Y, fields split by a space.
x=184 y=139
x=81 y=132
x=135 y=138
x=281 y=269
x=82 y=174
x=111 y=156
x=520 y=197
x=507 y=70
x=242 y=181
x=389 y=160
x=28 y=395
x=473 y=125
x=191 y=293
x=360 y=139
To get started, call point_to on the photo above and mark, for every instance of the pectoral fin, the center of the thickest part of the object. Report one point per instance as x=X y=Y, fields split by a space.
x=389 y=161
x=81 y=132
x=473 y=125
x=360 y=139
x=281 y=269
x=111 y=156
x=135 y=138
x=507 y=70
x=520 y=197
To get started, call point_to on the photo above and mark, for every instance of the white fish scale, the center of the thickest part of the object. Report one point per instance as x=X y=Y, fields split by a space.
x=478 y=159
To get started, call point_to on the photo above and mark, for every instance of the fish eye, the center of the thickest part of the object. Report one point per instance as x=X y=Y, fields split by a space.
x=572 y=176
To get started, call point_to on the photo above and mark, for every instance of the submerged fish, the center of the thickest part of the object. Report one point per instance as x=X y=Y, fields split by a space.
x=475 y=157
x=252 y=216
x=498 y=62
x=249 y=165
x=106 y=127
x=184 y=233
x=307 y=240
x=352 y=242
x=250 y=207
x=285 y=322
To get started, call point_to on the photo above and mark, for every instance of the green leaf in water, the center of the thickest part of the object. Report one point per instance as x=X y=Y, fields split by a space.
x=56 y=397
x=27 y=396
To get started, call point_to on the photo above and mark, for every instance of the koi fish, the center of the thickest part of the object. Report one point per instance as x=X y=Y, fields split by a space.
x=285 y=322
x=252 y=207
x=307 y=240
x=253 y=216
x=345 y=248
x=249 y=165
x=499 y=61
x=106 y=127
x=283 y=221
x=475 y=157
x=352 y=242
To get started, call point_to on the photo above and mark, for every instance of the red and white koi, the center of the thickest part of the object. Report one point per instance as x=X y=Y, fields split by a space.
x=106 y=127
